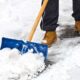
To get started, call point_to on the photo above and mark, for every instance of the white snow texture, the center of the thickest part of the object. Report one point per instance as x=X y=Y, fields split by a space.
x=16 y=20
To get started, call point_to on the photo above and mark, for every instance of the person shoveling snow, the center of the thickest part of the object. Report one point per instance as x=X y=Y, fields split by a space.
x=49 y=21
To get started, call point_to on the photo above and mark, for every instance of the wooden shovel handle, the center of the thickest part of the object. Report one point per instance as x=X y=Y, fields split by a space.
x=37 y=20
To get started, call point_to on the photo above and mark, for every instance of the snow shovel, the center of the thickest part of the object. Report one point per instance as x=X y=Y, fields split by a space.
x=24 y=47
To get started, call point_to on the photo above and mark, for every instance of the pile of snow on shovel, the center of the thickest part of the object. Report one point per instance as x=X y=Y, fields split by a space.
x=13 y=65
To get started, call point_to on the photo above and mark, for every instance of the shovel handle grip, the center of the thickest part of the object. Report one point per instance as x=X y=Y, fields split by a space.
x=31 y=34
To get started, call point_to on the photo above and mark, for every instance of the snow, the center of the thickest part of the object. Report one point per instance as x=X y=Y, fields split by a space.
x=14 y=65
x=16 y=20
x=67 y=66
x=66 y=11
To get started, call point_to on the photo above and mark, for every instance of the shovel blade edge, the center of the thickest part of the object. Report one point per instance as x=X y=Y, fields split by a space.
x=24 y=47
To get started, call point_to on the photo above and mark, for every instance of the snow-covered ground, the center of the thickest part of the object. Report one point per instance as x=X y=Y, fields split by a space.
x=16 y=20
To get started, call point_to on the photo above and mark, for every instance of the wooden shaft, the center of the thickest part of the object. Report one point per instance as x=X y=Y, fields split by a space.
x=31 y=34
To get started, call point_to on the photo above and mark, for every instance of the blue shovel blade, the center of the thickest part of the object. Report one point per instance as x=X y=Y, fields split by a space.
x=24 y=47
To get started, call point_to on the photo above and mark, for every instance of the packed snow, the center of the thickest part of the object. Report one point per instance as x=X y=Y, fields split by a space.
x=16 y=20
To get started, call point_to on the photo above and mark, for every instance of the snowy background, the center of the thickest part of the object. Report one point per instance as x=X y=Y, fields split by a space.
x=16 y=20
